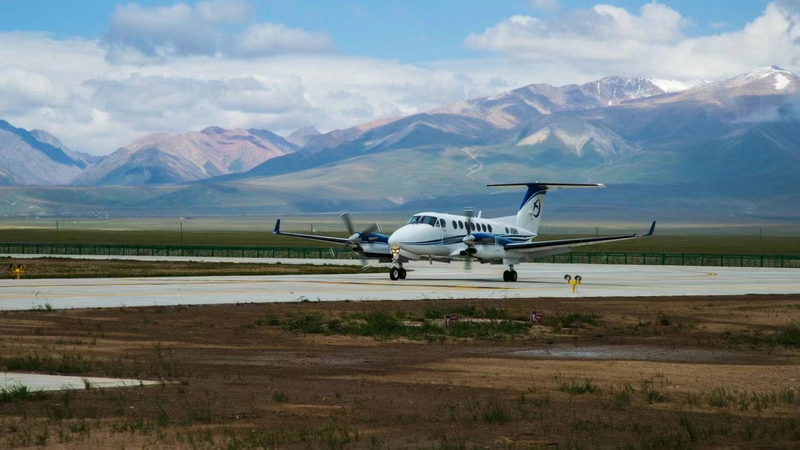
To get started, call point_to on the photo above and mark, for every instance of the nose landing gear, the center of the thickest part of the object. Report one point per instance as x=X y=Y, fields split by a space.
x=397 y=272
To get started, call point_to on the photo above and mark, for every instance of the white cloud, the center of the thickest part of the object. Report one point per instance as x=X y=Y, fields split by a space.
x=272 y=39
x=99 y=106
x=141 y=34
x=546 y=5
x=21 y=90
x=611 y=40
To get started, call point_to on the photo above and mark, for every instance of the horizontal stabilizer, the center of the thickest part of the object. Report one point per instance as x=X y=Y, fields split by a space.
x=552 y=185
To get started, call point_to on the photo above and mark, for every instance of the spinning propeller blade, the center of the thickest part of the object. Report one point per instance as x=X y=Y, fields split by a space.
x=356 y=237
x=469 y=239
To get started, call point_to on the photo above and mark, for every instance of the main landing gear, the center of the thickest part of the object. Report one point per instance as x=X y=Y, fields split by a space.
x=397 y=273
x=510 y=274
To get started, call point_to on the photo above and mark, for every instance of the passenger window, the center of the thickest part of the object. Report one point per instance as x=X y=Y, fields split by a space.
x=483 y=226
x=454 y=224
x=490 y=228
x=506 y=230
x=461 y=224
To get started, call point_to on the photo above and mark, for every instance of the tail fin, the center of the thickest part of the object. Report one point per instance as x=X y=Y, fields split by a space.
x=530 y=211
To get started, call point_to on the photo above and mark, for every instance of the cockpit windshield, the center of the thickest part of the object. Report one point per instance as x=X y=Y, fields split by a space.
x=428 y=220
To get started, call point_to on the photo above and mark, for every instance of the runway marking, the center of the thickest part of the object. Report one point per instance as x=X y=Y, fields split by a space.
x=189 y=281
x=225 y=282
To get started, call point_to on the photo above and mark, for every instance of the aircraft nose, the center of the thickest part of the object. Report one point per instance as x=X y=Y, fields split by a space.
x=397 y=237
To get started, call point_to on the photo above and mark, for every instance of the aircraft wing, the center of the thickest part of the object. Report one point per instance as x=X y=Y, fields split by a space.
x=530 y=247
x=313 y=237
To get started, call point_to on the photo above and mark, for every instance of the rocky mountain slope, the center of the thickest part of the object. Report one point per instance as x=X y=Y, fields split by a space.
x=37 y=158
x=176 y=158
x=737 y=140
x=719 y=151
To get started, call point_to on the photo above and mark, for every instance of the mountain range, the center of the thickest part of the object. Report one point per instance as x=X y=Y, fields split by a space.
x=731 y=146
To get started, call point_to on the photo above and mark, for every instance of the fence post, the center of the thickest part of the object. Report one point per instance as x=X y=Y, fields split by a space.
x=663 y=259
x=762 y=260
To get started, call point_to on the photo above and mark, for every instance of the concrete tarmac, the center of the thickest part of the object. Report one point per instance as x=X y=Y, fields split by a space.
x=438 y=281
x=37 y=382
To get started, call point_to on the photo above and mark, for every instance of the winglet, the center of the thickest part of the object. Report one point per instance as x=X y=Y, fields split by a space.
x=652 y=230
x=277 y=229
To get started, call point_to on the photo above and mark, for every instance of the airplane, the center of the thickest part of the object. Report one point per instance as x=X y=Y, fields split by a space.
x=444 y=238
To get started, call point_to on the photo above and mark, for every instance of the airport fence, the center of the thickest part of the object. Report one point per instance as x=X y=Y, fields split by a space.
x=668 y=259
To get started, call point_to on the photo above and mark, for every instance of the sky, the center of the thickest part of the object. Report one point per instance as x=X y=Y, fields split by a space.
x=99 y=74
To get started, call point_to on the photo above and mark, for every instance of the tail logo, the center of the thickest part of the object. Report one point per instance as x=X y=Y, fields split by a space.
x=537 y=208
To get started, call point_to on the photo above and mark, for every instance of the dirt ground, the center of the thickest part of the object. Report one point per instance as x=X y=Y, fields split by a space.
x=114 y=268
x=650 y=373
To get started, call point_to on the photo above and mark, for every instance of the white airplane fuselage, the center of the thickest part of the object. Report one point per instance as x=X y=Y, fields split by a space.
x=443 y=235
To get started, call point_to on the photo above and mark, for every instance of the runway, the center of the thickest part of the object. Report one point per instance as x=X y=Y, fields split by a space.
x=424 y=282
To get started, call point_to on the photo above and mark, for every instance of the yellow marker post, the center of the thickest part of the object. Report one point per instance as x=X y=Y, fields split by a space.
x=574 y=282
x=17 y=269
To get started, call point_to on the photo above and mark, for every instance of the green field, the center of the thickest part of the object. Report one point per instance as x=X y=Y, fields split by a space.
x=663 y=243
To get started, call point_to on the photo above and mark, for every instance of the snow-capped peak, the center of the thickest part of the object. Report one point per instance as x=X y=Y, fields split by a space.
x=764 y=72
x=772 y=77
x=669 y=86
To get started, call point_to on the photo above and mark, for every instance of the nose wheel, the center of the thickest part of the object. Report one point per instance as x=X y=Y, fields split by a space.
x=510 y=275
x=397 y=273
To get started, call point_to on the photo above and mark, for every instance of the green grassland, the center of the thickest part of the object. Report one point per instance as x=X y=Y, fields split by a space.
x=665 y=241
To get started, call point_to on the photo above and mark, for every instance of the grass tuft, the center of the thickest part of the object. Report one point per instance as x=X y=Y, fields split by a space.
x=570 y=320
x=577 y=388
x=19 y=392
x=66 y=363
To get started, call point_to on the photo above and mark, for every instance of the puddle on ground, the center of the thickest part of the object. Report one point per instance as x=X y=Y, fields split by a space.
x=651 y=353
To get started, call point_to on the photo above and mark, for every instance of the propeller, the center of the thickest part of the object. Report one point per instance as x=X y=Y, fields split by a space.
x=469 y=239
x=356 y=237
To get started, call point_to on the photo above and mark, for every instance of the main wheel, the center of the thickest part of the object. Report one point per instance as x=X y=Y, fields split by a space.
x=513 y=275
x=394 y=274
x=402 y=274
x=506 y=276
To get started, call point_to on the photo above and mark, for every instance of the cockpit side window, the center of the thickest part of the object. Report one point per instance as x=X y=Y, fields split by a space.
x=428 y=220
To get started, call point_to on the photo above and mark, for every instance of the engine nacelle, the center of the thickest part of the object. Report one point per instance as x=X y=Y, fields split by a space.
x=489 y=252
